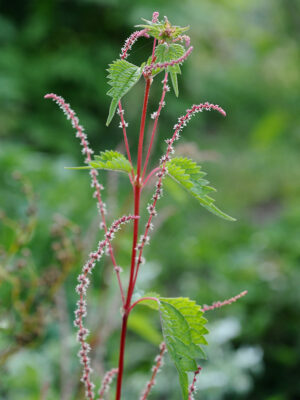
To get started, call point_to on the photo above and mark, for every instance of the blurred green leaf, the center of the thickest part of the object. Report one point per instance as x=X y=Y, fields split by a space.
x=111 y=160
x=142 y=325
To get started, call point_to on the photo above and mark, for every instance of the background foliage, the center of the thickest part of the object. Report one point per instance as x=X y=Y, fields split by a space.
x=246 y=59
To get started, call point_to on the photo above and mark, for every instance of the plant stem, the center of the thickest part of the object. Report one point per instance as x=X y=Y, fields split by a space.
x=142 y=129
x=121 y=357
x=155 y=123
x=150 y=175
x=143 y=299
x=137 y=196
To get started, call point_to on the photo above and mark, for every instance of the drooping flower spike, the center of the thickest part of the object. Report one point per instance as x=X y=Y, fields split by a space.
x=149 y=68
x=155 y=369
x=192 y=387
x=227 y=302
x=81 y=310
x=182 y=122
x=106 y=383
x=101 y=206
x=155 y=17
x=130 y=42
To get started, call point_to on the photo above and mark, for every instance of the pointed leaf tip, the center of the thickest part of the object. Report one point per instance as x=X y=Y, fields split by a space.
x=122 y=77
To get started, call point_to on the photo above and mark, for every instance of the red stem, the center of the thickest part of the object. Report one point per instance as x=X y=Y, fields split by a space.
x=137 y=197
x=155 y=124
x=142 y=129
x=153 y=50
x=142 y=299
x=121 y=359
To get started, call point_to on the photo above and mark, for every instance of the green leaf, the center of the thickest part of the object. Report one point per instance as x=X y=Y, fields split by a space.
x=142 y=325
x=193 y=315
x=178 y=330
x=167 y=53
x=183 y=330
x=174 y=83
x=122 y=76
x=188 y=173
x=111 y=160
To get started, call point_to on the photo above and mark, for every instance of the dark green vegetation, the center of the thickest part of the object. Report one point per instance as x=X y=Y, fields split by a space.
x=246 y=59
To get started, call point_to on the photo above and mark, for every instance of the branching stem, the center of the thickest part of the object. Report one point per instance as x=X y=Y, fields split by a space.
x=137 y=196
x=150 y=175
x=143 y=299
x=161 y=103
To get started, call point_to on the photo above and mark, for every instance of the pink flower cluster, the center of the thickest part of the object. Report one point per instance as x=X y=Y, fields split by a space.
x=182 y=122
x=70 y=114
x=81 y=310
x=130 y=42
x=148 y=68
x=106 y=382
x=183 y=38
x=219 y=304
x=86 y=150
x=93 y=172
x=155 y=369
x=192 y=387
x=155 y=16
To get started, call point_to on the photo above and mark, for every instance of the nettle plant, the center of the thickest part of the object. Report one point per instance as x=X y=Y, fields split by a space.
x=182 y=320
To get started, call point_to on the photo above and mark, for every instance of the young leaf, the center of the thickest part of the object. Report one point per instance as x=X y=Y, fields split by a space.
x=167 y=53
x=188 y=173
x=122 y=77
x=111 y=160
x=163 y=30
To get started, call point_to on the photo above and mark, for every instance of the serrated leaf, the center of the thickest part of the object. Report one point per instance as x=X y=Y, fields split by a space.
x=111 y=160
x=183 y=330
x=188 y=173
x=167 y=53
x=178 y=339
x=122 y=76
x=193 y=315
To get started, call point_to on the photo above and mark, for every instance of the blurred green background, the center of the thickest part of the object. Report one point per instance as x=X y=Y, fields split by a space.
x=246 y=58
